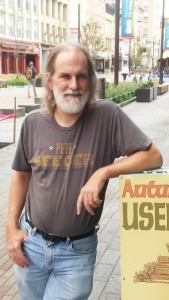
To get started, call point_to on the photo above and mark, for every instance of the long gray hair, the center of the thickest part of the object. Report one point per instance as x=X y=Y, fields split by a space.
x=49 y=103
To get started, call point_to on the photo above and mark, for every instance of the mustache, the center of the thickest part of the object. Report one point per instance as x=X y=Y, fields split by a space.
x=73 y=92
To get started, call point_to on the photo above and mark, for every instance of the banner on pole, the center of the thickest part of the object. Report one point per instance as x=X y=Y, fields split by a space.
x=144 y=229
x=127 y=18
x=166 y=35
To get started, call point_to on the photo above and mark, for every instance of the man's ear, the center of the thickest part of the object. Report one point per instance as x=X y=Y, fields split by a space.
x=49 y=80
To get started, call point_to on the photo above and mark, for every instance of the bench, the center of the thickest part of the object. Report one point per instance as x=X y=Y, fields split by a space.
x=162 y=89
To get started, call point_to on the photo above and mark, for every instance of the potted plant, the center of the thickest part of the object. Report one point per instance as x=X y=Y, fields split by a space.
x=145 y=93
x=39 y=80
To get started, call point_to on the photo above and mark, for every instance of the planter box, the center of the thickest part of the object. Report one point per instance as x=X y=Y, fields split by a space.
x=155 y=92
x=39 y=82
x=162 y=89
x=145 y=95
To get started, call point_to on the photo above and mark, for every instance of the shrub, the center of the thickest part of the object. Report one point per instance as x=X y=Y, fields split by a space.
x=17 y=81
x=122 y=92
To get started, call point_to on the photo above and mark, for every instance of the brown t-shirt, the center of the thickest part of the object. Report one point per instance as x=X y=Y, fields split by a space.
x=63 y=159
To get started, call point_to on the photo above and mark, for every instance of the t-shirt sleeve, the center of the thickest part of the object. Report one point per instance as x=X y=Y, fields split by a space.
x=127 y=136
x=20 y=162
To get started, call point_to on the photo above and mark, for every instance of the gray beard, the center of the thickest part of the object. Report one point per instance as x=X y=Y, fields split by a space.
x=73 y=106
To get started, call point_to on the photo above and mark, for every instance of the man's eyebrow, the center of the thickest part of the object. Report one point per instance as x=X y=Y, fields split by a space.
x=84 y=73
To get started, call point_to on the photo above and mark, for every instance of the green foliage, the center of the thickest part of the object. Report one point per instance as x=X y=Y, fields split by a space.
x=18 y=80
x=147 y=85
x=122 y=92
x=92 y=37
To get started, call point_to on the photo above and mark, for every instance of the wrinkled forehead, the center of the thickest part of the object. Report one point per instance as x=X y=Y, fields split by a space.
x=71 y=52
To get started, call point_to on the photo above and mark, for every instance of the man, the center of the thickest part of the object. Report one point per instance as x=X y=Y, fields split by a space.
x=30 y=74
x=64 y=159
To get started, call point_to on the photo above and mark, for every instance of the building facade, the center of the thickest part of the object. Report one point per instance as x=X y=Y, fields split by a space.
x=19 y=35
x=30 y=29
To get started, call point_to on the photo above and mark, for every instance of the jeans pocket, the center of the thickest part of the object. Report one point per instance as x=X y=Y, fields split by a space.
x=84 y=246
x=25 y=227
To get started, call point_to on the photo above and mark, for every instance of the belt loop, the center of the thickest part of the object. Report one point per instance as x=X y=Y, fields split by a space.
x=97 y=227
x=68 y=240
x=33 y=231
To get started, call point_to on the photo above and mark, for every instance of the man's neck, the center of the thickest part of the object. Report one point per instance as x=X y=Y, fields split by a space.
x=66 y=119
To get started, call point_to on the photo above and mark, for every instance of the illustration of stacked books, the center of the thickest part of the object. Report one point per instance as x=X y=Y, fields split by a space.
x=155 y=271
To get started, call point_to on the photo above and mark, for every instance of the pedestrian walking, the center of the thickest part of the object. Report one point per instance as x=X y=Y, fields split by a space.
x=64 y=159
x=30 y=74
x=125 y=72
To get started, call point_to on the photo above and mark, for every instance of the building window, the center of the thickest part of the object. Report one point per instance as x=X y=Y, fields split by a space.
x=36 y=36
x=2 y=26
x=35 y=6
x=27 y=5
x=3 y=61
x=41 y=7
x=64 y=13
x=20 y=63
x=19 y=4
x=28 y=27
x=11 y=26
x=47 y=31
x=10 y=3
x=47 y=8
x=19 y=28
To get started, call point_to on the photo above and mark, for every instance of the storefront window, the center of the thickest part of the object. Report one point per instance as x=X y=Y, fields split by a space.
x=3 y=62
x=11 y=63
x=20 y=63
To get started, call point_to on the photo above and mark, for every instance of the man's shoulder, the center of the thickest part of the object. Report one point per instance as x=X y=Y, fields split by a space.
x=106 y=106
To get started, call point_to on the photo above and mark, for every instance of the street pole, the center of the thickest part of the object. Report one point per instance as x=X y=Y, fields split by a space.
x=162 y=41
x=116 y=63
x=129 y=56
x=78 y=22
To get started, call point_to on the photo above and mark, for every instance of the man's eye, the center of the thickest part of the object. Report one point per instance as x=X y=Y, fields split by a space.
x=65 y=76
x=82 y=76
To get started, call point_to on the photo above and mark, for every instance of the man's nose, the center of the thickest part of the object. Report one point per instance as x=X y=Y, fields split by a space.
x=73 y=84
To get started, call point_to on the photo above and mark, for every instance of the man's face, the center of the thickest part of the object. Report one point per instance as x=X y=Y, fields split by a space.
x=70 y=82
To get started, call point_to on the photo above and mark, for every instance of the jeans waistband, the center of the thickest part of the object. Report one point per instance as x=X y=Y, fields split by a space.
x=56 y=238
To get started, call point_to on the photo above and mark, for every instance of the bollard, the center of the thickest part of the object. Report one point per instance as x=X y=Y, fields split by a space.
x=101 y=88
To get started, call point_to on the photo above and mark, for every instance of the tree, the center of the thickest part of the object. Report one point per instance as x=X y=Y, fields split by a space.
x=92 y=38
x=136 y=52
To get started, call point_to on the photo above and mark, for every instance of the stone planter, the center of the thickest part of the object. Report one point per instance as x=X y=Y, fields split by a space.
x=39 y=82
x=155 y=92
x=145 y=94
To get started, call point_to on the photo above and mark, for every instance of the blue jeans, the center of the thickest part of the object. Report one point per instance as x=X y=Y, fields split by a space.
x=59 y=270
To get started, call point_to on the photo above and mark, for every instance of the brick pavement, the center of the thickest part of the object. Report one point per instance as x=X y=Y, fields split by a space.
x=153 y=119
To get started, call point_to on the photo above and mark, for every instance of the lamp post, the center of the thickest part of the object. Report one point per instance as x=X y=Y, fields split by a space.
x=116 y=63
x=162 y=40
x=78 y=22
x=129 y=56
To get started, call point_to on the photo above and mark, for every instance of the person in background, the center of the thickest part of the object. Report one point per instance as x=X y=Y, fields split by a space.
x=30 y=74
x=125 y=72
x=64 y=159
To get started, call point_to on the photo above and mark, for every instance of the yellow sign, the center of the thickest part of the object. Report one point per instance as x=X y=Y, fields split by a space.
x=144 y=229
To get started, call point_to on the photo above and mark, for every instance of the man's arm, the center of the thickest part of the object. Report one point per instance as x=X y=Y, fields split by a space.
x=135 y=163
x=15 y=236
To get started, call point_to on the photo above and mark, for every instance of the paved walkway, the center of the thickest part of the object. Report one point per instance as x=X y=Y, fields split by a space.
x=153 y=118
